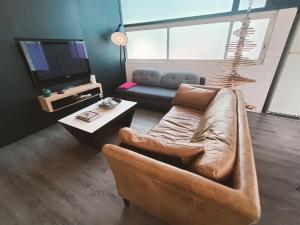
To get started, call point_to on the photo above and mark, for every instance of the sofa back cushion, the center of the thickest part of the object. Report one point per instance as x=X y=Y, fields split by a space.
x=217 y=131
x=193 y=96
x=172 y=80
x=147 y=77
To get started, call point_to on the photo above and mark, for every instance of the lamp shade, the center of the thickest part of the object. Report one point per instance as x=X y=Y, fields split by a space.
x=119 y=37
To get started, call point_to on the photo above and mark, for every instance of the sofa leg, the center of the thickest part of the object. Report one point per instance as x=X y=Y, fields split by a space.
x=126 y=202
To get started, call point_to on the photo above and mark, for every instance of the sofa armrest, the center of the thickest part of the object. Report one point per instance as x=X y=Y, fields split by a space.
x=204 y=190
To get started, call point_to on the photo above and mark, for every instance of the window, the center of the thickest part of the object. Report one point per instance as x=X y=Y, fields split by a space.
x=244 y=4
x=140 y=11
x=202 y=39
x=260 y=26
x=199 y=41
x=147 y=44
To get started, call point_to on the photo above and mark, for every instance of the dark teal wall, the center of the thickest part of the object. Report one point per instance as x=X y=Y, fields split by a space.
x=91 y=20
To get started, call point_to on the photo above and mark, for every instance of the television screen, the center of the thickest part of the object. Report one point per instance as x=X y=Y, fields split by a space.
x=53 y=62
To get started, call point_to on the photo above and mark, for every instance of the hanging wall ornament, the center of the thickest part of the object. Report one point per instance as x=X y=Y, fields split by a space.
x=230 y=76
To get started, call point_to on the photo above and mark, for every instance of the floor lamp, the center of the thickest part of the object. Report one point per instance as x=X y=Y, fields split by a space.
x=119 y=38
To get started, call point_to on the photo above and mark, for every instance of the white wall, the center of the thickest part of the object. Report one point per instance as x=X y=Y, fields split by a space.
x=287 y=93
x=254 y=93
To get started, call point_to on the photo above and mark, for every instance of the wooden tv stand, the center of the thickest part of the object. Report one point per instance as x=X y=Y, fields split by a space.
x=70 y=97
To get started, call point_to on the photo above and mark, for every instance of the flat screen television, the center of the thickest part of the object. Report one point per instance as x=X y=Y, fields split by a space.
x=53 y=62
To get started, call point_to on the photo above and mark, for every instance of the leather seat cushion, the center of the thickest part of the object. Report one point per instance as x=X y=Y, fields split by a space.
x=217 y=131
x=185 y=151
x=179 y=124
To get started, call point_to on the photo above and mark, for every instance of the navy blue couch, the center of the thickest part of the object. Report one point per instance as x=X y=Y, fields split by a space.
x=155 y=90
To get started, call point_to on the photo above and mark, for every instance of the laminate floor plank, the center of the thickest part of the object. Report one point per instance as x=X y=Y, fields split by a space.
x=49 y=178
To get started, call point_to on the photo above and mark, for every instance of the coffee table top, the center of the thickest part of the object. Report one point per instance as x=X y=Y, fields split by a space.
x=106 y=115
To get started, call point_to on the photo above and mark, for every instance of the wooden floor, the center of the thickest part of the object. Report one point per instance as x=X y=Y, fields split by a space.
x=49 y=178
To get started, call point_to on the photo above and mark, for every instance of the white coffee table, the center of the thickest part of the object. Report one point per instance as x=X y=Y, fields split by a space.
x=95 y=133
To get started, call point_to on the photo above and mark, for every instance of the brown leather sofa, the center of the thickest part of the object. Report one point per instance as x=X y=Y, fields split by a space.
x=196 y=166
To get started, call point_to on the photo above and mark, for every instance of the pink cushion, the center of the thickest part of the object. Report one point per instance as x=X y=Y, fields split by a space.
x=127 y=85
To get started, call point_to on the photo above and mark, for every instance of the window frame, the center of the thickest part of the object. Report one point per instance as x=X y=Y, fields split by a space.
x=234 y=10
x=271 y=15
